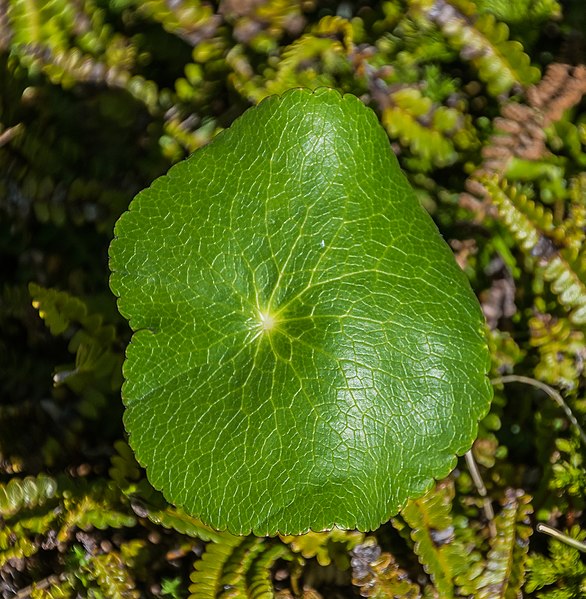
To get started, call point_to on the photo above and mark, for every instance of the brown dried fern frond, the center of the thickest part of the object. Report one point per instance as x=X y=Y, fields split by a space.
x=520 y=129
x=561 y=88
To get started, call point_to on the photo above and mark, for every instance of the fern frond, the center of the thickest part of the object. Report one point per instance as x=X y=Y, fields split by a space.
x=432 y=529
x=87 y=505
x=501 y=63
x=17 y=542
x=566 y=282
x=68 y=504
x=47 y=22
x=261 y=25
x=560 y=348
x=176 y=519
x=525 y=220
x=378 y=575
x=53 y=587
x=564 y=569
x=518 y=213
x=309 y=50
x=505 y=351
x=124 y=469
x=426 y=129
x=98 y=362
x=237 y=568
x=521 y=11
x=306 y=50
x=504 y=572
x=333 y=26
x=192 y=22
x=260 y=586
x=520 y=132
x=92 y=510
x=573 y=228
x=562 y=87
x=206 y=578
x=568 y=469
x=22 y=530
x=48 y=38
x=313 y=60
x=324 y=546
x=57 y=308
x=25 y=493
x=183 y=133
x=113 y=577
x=233 y=579
x=60 y=310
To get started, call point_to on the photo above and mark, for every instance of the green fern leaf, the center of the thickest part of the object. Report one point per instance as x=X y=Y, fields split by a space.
x=432 y=529
x=324 y=546
x=55 y=587
x=260 y=572
x=501 y=63
x=521 y=11
x=208 y=571
x=29 y=492
x=124 y=469
x=236 y=568
x=560 y=348
x=112 y=576
x=176 y=519
x=23 y=538
x=568 y=285
x=303 y=63
x=57 y=308
x=504 y=572
x=564 y=569
x=14 y=544
x=87 y=506
x=526 y=221
x=404 y=119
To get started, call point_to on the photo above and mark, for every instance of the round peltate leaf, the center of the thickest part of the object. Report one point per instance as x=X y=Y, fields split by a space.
x=307 y=352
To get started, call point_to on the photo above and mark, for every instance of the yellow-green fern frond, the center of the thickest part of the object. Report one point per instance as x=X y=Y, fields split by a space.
x=442 y=556
x=504 y=572
x=483 y=41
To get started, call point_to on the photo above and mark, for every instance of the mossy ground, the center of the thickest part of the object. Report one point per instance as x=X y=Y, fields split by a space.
x=484 y=105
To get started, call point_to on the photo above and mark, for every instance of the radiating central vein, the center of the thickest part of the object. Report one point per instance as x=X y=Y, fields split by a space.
x=268 y=322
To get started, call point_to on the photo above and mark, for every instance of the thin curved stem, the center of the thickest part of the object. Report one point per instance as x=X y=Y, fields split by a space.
x=560 y=536
x=514 y=378
x=481 y=488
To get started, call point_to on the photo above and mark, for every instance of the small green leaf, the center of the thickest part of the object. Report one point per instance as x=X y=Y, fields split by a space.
x=307 y=352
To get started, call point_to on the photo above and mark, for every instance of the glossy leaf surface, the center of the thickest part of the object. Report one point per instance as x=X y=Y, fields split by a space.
x=306 y=352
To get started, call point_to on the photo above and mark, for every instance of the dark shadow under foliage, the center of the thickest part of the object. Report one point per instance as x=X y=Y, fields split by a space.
x=483 y=101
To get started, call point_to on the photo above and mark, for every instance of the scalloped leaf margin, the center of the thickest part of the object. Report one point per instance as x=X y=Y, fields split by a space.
x=307 y=353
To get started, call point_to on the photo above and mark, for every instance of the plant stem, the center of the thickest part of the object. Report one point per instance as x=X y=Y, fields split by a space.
x=513 y=378
x=481 y=488
x=560 y=536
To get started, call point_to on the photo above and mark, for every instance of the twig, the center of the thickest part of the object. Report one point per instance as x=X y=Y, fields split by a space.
x=560 y=536
x=10 y=134
x=513 y=378
x=481 y=488
x=42 y=584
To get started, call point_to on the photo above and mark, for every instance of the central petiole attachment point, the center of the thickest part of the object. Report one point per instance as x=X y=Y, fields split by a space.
x=267 y=321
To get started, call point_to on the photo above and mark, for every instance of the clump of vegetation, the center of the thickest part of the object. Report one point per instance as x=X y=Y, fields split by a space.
x=483 y=102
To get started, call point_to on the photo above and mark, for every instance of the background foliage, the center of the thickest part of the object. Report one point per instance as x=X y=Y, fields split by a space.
x=484 y=105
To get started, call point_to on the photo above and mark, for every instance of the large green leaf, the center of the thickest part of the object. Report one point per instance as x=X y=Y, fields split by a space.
x=307 y=352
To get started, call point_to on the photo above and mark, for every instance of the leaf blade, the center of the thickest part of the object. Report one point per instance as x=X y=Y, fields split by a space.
x=297 y=313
